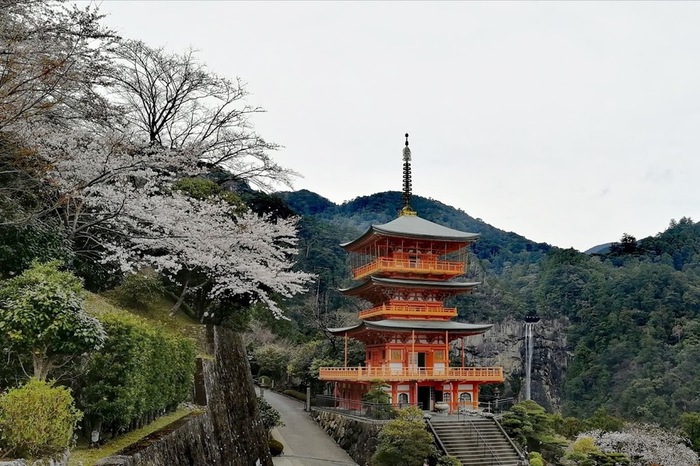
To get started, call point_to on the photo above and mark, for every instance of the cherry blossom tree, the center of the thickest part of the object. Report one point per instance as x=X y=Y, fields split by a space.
x=114 y=179
x=645 y=444
x=52 y=55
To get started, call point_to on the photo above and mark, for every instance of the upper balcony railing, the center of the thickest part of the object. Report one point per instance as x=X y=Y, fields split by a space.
x=416 y=266
x=410 y=311
x=388 y=374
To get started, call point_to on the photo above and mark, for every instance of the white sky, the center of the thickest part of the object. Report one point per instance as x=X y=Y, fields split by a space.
x=569 y=123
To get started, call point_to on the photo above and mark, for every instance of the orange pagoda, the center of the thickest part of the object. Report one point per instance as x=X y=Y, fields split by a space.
x=407 y=269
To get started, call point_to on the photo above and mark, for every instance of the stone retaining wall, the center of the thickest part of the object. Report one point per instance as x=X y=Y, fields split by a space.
x=355 y=435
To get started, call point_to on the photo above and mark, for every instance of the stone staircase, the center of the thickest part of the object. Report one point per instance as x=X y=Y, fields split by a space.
x=475 y=441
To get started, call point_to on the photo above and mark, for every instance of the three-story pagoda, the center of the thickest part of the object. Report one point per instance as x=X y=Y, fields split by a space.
x=407 y=269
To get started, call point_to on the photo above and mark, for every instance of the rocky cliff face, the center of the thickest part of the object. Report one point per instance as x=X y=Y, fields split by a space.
x=227 y=433
x=504 y=345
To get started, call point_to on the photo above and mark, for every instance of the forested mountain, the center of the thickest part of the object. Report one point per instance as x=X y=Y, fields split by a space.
x=633 y=312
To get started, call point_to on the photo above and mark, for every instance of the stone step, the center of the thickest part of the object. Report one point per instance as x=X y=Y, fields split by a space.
x=479 y=442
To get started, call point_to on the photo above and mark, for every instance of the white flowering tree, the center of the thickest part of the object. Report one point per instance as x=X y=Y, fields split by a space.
x=113 y=169
x=645 y=445
x=52 y=56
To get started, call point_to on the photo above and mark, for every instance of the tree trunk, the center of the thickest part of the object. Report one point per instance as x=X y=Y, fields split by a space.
x=42 y=366
x=181 y=298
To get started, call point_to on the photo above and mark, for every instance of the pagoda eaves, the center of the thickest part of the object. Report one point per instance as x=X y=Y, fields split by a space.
x=410 y=227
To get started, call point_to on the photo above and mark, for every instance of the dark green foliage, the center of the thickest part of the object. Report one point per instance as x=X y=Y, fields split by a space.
x=609 y=459
x=276 y=447
x=267 y=204
x=138 y=291
x=42 y=315
x=602 y=420
x=37 y=420
x=404 y=441
x=447 y=460
x=690 y=424
x=295 y=394
x=20 y=245
x=141 y=371
x=527 y=423
x=378 y=401
x=531 y=427
x=269 y=416
x=201 y=188
x=271 y=360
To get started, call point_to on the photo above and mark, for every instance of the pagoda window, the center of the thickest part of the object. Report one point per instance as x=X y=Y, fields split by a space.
x=465 y=397
x=396 y=355
x=439 y=355
x=403 y=398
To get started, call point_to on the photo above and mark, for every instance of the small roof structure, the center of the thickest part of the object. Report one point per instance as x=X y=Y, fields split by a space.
x=455 y=329
x=414 y=227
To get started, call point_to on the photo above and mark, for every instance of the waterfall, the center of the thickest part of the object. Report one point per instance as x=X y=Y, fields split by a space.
x=529 y=347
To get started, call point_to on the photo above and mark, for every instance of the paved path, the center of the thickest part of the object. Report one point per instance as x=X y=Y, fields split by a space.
x=305 y=443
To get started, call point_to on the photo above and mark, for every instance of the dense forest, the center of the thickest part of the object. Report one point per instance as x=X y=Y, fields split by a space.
x=633 y=312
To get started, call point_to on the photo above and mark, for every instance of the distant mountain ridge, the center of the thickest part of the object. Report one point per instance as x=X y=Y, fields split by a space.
x=495 y=246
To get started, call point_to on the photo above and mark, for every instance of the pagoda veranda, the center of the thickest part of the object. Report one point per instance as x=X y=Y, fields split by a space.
x=405 y=270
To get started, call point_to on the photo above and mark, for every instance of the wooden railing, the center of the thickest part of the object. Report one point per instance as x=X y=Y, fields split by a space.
x=410 y=311
x=390 y=264
x=462 y=374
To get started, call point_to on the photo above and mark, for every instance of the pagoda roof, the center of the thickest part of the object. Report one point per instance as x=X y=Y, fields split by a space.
x=456 y=329
x=374 y=285
x=412 y=226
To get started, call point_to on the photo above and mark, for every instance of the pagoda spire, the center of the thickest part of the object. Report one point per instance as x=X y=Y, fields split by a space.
x=406 y=209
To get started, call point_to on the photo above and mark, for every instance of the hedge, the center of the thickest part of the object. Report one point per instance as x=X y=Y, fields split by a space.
x=142 y=372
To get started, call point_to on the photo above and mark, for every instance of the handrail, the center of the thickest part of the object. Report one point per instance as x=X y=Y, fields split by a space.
x=485 y=374
x=414 y=265
x=436 y=436
x=410 y=310
x=493 y=455
x=520 y=454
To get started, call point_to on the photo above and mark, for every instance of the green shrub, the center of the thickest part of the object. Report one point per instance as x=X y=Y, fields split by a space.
x=404 y=440
x=535 y=459
x=138 y=291
x=448 y=460
x=276 y=447
x=37 y=419
x=141 y=371
x=269 y=416
x=295 y=394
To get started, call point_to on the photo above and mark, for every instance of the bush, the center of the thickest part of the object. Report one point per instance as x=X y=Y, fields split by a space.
x=295 y=394
x=142 y=371
x=269 y=416
x=276 y=447
x=138 y=291
x=448 y=460
x=404 y=440
x=535 y=459
x=37 y=419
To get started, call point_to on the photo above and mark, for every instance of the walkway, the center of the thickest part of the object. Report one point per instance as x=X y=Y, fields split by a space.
x=305 y=443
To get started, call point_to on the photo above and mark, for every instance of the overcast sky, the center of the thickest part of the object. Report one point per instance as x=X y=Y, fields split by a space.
x=570 y=123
